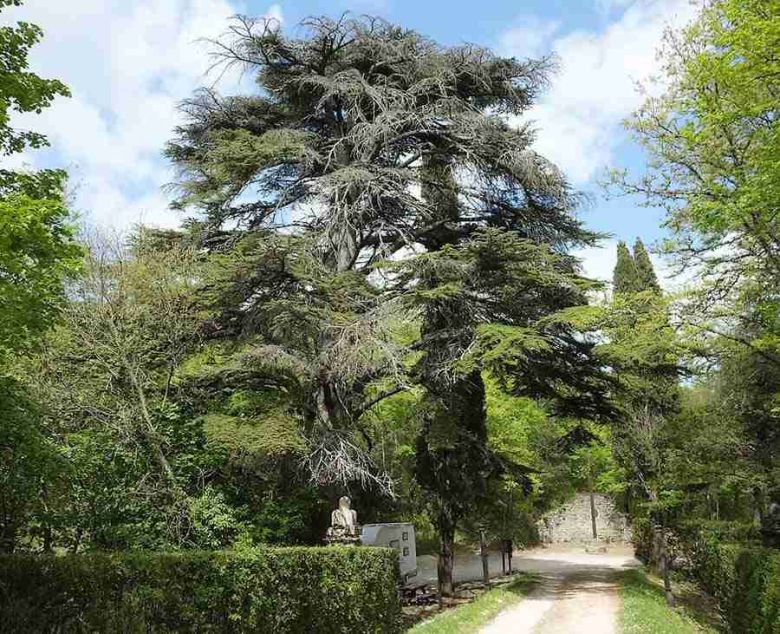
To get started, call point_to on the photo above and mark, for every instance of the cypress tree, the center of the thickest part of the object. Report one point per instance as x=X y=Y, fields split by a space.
x=646 y=358
x=646 y=279
x=624 y=277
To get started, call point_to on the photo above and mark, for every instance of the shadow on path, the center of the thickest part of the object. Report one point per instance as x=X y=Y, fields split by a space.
x=578 y=592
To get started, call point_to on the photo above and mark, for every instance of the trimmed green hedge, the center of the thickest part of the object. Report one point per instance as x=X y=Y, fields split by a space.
x=713 y=564
x=744 y=578
x=756 y=601
x=277 y=590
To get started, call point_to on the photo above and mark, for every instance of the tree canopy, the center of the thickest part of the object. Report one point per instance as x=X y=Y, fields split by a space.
x=634 y=272
x=376 y=292
x=21 y=91
x=354 y=118
x=37 y=250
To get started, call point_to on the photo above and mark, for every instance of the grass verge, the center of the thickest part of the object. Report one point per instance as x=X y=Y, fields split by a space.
x=645 y=611
x=472 y=616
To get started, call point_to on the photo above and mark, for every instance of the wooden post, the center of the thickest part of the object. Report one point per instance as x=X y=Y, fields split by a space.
x=665 y=565
x=483 y=551
x=593 y=513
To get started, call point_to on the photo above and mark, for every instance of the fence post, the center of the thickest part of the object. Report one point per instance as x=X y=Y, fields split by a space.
x=483 y=551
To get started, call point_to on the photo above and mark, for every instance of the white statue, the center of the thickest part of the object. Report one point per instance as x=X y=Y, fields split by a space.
x=343 y=523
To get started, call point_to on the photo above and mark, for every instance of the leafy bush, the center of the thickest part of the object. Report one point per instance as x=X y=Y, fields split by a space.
x=744 y=578
x=215 y=522
x=642 y=539
x=723 y=530
x=260 y=590
x=713 y=564
x=756 y=602
x=727 y=560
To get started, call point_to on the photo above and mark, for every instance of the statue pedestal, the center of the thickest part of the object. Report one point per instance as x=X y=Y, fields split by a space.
x=342 y=540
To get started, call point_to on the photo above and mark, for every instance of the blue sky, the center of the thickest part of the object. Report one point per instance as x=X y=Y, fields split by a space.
x=129 y=64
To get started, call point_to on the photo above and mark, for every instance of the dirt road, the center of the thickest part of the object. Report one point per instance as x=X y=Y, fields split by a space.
x=577 y=593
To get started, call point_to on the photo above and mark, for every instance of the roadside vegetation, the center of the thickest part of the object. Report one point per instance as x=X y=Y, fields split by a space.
x=469 y=618
x=645 y=611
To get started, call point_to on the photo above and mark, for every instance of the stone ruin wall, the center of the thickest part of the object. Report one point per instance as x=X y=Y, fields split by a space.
x=572 y=522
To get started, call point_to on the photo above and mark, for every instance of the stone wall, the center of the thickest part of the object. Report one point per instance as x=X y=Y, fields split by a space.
x=572 y=522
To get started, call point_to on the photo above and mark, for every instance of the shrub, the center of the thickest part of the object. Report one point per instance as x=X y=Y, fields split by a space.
x=723 y=530
x=743 y=578
x=276 y=590
x=755 y=604
x=713 y=564
x=727 y=560
x=642 y=539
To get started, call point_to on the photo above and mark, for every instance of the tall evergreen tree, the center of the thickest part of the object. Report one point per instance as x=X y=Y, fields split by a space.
x=645 y=351
x=646 y=279
x=624 y=277
x=354 y=117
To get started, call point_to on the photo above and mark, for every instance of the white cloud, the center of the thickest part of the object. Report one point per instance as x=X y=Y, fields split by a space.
x=610 y=5
x=579 y=118
x=598 y=262
x=128 y=65
x=531 y=37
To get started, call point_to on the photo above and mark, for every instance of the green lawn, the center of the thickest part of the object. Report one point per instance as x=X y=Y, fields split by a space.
x=645 y=610
x=472 y=616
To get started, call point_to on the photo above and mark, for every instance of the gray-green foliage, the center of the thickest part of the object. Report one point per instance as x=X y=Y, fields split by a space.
x=355 y=116
x=315 y=339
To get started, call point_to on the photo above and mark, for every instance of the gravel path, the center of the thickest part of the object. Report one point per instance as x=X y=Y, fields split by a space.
x=577 y=593
x=465 y=568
